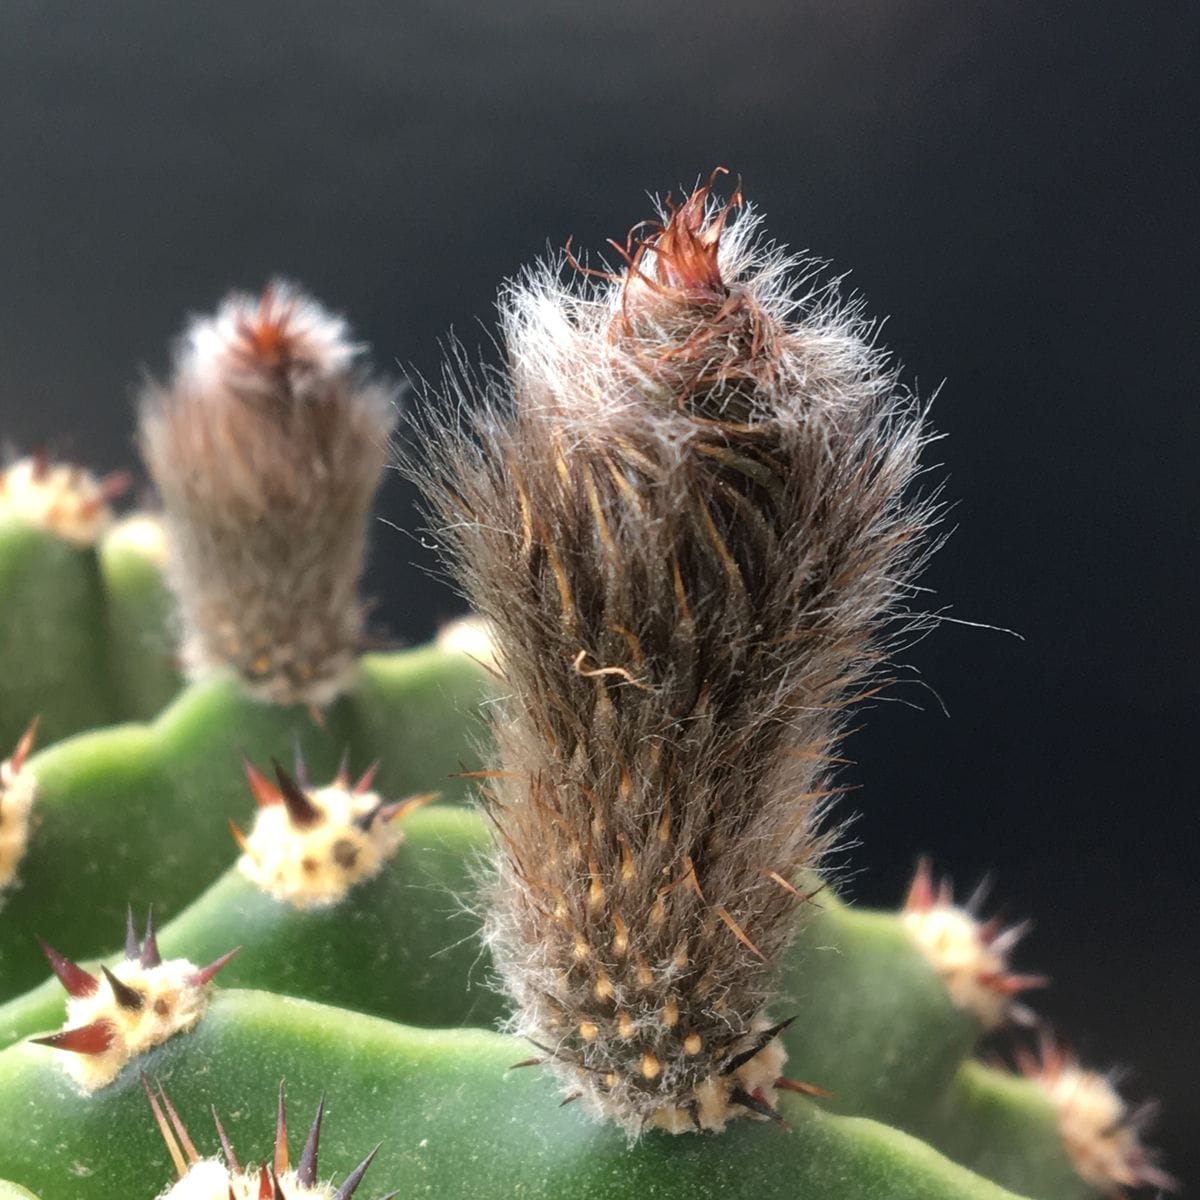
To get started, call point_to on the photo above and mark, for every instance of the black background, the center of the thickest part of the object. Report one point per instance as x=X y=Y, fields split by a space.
x=1011 y=181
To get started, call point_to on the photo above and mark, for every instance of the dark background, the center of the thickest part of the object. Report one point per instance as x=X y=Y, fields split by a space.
x=1012 y=181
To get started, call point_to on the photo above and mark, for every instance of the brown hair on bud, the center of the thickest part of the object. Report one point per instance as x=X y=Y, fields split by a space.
x=267 y=447
x=683 y=514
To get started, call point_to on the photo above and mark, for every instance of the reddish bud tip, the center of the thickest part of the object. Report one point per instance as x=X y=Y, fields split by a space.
x=686 y=247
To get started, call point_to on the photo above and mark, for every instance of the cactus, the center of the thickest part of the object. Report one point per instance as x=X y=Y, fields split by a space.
x=85 y=639
x=685 y=514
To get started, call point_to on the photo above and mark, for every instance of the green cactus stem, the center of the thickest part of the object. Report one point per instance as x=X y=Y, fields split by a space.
x=874 y=1023
x=448 y=1112
x=983 y=1113
x=138 y=814
x=400 y=946
x=901 y=1056
x=86 y=636
x=143 y=661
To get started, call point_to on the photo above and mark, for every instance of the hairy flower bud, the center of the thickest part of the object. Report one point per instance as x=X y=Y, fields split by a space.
x=682 y=513
x=267 y=447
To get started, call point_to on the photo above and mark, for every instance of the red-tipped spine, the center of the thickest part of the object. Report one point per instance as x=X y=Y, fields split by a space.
x=73 y=977
x=25 y=745
x=209 y=973
x=281 y=1146
x=264 y=791
x=93 y=1039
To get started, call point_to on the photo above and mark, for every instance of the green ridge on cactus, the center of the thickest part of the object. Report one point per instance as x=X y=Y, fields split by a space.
x=138 y=814
x=876 y=1026
x=143 y=658
x=448 y=1112
x=874 y=1023
x=85 y=641
x=400 y=946
x=52 y=639
x=983 y=1114
x=880 y=1058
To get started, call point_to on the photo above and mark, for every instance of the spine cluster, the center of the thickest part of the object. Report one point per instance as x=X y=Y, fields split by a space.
x=120 y=1013
x=682 y=511
x=225 y=1178
x=60 y=498
x=267 y=447
x=309 y=846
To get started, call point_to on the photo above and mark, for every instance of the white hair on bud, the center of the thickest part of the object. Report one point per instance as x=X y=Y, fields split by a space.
x=209 y=351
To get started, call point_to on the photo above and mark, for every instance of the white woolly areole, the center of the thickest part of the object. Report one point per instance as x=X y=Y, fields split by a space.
x=714 y=1108
x=1101 y=1139
x=471 y=636
x=18 y=789
x=143 y=534
x=213 y=347
x=171 y=1004
x=210 y=1179
x=62 y=499
x=950 y=938
x=315 y=866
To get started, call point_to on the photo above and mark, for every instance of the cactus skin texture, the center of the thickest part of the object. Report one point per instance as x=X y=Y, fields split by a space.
x=332 y=996
x=452 y=1121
